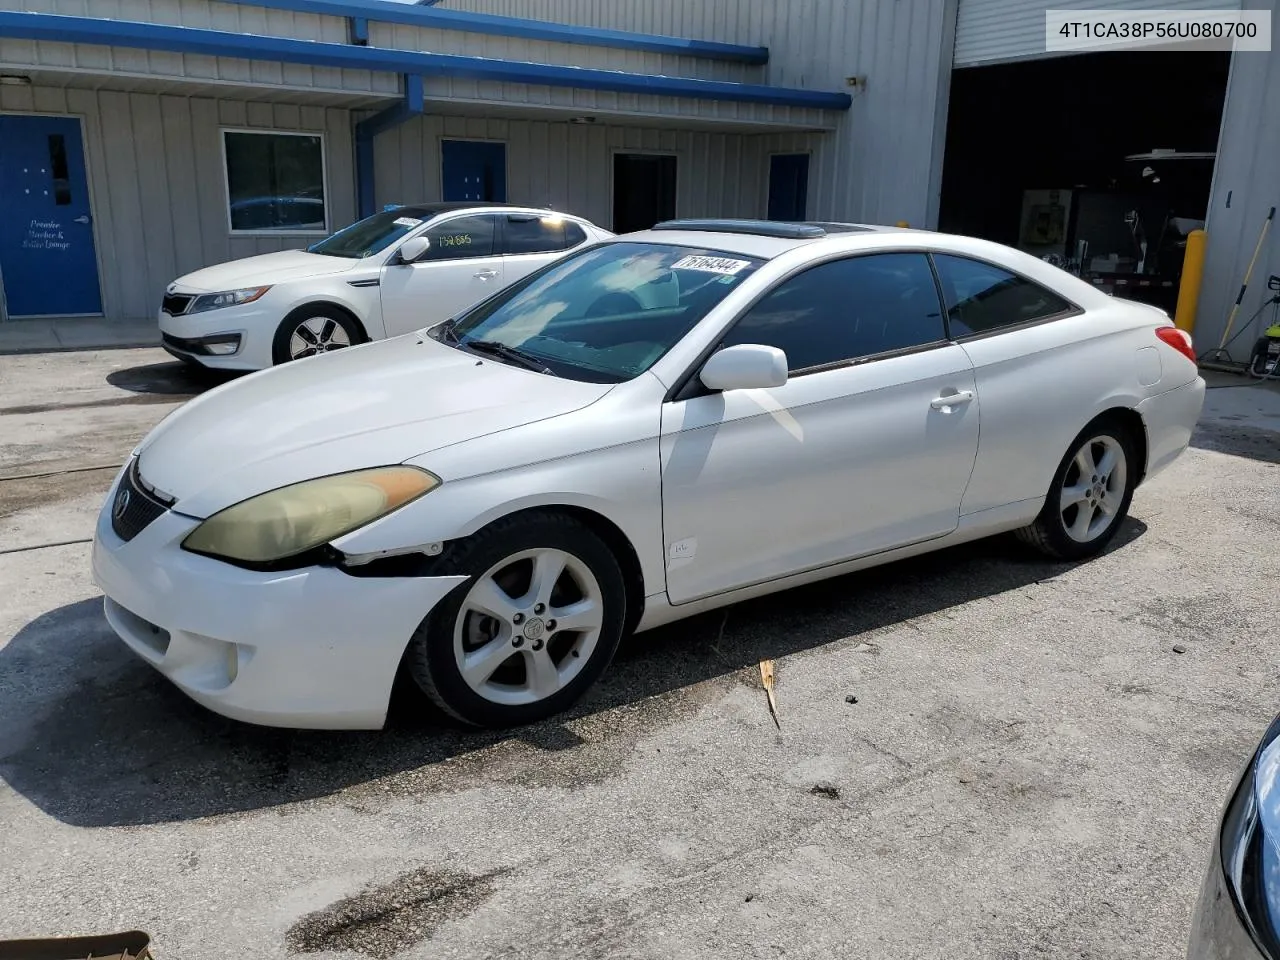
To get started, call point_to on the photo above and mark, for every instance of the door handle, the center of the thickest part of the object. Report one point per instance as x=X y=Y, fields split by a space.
x=951 y=400
x=485 y=274
x=83 y=218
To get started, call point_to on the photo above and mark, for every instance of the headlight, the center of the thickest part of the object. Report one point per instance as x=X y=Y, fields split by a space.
x=300 y=517
x=227 y=298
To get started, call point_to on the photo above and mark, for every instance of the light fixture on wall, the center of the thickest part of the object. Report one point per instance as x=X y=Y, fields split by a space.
x=15 y=80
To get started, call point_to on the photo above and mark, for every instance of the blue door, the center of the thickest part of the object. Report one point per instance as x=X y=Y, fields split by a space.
x=474 y=170
x=47 y=260
x=788 y=186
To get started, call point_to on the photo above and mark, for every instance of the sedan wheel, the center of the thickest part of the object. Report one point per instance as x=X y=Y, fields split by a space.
x=534 y=625
x=1089 y=497
x=314 y=329
x=317 y=335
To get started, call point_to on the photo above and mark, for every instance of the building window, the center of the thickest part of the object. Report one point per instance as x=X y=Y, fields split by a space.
x=275 y=182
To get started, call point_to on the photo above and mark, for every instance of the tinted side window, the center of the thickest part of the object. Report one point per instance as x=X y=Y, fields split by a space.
x=847 y=309
x=461 y=238
x=533 y=235
x=981 y=297
x=573 y=234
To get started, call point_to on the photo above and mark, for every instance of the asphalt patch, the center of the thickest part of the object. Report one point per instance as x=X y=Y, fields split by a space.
x=380 y=921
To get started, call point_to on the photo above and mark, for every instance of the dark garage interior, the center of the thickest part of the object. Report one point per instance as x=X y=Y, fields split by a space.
x=1100 y=162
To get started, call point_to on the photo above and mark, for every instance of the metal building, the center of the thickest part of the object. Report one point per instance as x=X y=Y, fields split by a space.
x=141 y=139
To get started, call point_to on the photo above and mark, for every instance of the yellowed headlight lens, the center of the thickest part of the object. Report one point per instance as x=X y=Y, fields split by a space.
x=297 y=518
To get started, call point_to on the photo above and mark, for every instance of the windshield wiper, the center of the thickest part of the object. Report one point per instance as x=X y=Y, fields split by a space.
x=447 y=332
x=504 y=352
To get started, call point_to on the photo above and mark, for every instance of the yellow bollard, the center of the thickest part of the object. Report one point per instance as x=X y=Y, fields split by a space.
x=1189 y=288
x=902 y=223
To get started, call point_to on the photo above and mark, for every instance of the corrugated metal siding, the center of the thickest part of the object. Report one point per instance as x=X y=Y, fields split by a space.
x=995 y=31
x=1247 y=176
x=193 y=13
x=570 y=167
x=157 y=182
x=883 y=163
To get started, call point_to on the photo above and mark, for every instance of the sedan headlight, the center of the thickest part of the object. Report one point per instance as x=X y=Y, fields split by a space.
x=298 y=518
x=227 y=298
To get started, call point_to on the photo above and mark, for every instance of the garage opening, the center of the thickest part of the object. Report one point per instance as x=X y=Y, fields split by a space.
x=1101 y=163
x=644 y=190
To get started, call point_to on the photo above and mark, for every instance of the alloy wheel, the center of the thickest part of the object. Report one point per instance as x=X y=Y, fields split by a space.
x=317 y=335
x=1093 y=488
x=528 y=626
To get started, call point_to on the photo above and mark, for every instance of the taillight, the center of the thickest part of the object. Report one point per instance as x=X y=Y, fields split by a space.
x=1180 y=340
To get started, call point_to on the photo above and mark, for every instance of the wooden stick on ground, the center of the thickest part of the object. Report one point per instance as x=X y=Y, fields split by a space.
x=766 y=677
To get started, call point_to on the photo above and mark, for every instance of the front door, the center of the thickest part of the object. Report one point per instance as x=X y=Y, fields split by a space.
x=473 y=170
x=47 y=259
x=461 y=267
x=858 y=453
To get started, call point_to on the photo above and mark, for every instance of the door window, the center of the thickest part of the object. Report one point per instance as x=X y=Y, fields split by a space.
x=982 y=298
x=532 y=234
x=461 y=238
x=846 y=310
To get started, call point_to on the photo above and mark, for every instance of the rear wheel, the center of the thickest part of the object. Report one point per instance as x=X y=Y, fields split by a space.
x=1090 y=494
x=311 y=330
x=533 y=627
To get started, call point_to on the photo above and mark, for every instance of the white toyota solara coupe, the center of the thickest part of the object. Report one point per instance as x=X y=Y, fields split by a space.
x=663 y=423
x=386 y=275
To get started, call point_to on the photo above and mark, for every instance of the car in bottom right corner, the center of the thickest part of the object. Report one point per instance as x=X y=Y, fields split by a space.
x=1237 y=916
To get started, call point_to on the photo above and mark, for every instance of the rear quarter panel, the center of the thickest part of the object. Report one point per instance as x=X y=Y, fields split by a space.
x=1038 y=388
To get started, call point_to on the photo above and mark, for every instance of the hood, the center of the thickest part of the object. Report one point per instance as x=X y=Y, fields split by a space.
x=379 y=403
x=265 y=269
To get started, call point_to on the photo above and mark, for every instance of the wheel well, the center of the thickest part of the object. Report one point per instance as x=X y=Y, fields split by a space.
x=312 y=304
x=1131 y=420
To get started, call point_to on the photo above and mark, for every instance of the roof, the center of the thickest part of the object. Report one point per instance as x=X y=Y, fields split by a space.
x=764 y=239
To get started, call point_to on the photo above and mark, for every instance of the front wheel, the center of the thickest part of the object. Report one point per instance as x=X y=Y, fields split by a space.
x=533 y=627
x=312 y=330
x=1089 y=497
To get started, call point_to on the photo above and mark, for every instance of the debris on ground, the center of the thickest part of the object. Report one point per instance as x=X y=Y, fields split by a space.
x=766 y=678
x=1179 y=648
x=851 y=699
x=826 y=790
x=872 y=648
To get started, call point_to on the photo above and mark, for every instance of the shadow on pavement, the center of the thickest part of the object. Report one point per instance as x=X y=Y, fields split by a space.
x=173 y=379
x=94 y=737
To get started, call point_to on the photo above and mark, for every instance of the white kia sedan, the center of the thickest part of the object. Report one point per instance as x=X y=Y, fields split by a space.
x=660 y=424
x=386 y=275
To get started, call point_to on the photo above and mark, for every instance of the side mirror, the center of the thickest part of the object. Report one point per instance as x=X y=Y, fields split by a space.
x=747 y=366
x=413 y=248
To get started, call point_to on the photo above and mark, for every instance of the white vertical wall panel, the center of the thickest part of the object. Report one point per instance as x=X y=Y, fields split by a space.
x=157 y=183
x=997 y=31
x=570 y=167
x=884 y=162
x=1246 y=184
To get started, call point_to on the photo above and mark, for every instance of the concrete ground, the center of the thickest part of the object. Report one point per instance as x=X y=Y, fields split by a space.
x=1029 y=768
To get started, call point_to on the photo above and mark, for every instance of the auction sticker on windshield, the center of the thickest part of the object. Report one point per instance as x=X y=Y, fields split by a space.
x=406 y=222
x=711 y=265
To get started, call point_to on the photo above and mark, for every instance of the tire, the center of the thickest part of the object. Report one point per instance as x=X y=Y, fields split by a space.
x=1059 y=532
x=506 y=566
x=330 y=327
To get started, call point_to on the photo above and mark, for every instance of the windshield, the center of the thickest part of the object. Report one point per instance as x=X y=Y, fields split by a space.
x=604 y=315
x=368 y=236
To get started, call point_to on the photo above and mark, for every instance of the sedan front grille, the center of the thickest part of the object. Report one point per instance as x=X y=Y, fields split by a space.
x=134 y=507
x=175 y=304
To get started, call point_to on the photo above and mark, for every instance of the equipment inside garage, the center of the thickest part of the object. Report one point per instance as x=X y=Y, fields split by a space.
x=1101 y=163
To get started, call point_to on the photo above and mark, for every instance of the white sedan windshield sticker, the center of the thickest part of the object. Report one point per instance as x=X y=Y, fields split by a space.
x=711 y=265
x=406 y=222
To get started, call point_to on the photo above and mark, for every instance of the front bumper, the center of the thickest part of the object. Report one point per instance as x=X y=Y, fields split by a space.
x=188 y=337
x=1170 y=417
x=312 y=648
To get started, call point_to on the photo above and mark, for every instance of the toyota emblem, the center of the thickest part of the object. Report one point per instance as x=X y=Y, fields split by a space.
x=121 y=505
